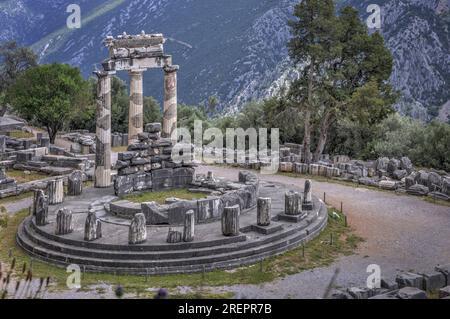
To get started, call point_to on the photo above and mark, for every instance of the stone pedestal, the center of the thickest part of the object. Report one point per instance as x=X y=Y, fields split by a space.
x=291 y=203
x=230 y=221
x=170 y=102
x=264 y=206
x=75 y=184
x=174 y=236
x=136 y=110
x=40 y=208
x=307 y=196
x=92 y=227
x=64 y=222
x=103 y=131
x=189 y=226
x=138 y=230
x=55 y=191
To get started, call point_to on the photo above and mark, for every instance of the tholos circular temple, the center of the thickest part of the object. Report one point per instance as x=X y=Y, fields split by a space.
x=230 y=223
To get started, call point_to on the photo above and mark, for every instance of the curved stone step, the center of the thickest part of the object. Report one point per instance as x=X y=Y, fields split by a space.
x=222 y=260
x=151 y=255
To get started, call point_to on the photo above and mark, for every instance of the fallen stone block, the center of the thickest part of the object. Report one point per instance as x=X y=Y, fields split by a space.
x=409 y=279
x=411 y=293
x=444 y=269
x=389 y=284
x=418 y=190
x=389 y=295
x=433 y=281
x=340 y=294
x=444 y=292
x=388 y=185
x=399 y=174
x=155 y=214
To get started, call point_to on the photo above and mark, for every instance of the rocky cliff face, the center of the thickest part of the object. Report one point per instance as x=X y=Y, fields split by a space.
x=417 y=32
x=235 y=49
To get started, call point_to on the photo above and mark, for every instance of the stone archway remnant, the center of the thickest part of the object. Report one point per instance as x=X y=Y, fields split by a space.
x=134 y=54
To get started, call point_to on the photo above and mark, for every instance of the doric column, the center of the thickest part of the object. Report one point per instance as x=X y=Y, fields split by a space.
x=103 y=131
x=136 y=110
x=170 y=101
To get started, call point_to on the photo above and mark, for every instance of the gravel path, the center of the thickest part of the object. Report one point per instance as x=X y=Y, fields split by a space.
x=17 y=206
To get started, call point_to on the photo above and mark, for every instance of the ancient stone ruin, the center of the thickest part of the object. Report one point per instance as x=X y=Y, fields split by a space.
x=134 y=54
x=233 y=223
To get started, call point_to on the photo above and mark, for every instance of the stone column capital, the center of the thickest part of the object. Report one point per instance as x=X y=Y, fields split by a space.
x=136 y=72
x=171 y=68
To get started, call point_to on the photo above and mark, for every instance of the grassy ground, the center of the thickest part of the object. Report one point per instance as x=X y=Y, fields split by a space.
x=160 y=197
x=316 y=253
x=21 y=177
x=12 y=199
x=20 y=134
x=120 y=149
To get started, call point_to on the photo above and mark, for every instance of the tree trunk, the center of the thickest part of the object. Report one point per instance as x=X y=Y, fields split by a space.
x=324 y=127
x=307 y=137
x=3 y=110
x=52 y=135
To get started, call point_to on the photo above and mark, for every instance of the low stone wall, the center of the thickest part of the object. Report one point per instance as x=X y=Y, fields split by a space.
x=221 y=194
x=148 y=165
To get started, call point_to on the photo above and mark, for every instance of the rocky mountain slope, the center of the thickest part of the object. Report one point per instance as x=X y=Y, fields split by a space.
x=234 y=49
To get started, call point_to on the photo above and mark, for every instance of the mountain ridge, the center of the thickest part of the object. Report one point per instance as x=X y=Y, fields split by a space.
x=236 y=50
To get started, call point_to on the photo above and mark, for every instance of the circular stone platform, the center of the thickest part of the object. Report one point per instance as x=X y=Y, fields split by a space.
x=209 y=250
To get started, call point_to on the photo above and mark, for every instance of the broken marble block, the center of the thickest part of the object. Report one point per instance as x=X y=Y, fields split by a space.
x=174 y=236
x=433 y=281
x=75 y=184
x=444 y=292
x=40 y=208
x=388 y=185
x=92 y=227
x=123 y=185
x=399 y=174
x=209 y=208
x=409 y=279
x=411 y=293
x=418 y=190
x=64 y=222
x=138 y=230
x=155 y=214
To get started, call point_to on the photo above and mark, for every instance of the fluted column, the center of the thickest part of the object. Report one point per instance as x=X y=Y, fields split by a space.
x=170 y=101
x=103 y=131
x=136 y=110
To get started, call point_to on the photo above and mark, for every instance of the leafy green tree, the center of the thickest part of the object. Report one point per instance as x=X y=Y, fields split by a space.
x=49 y=95
x=14 y=60
x=188 y=114
x=345 y=71
x=152 y=111
x=312 y=46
